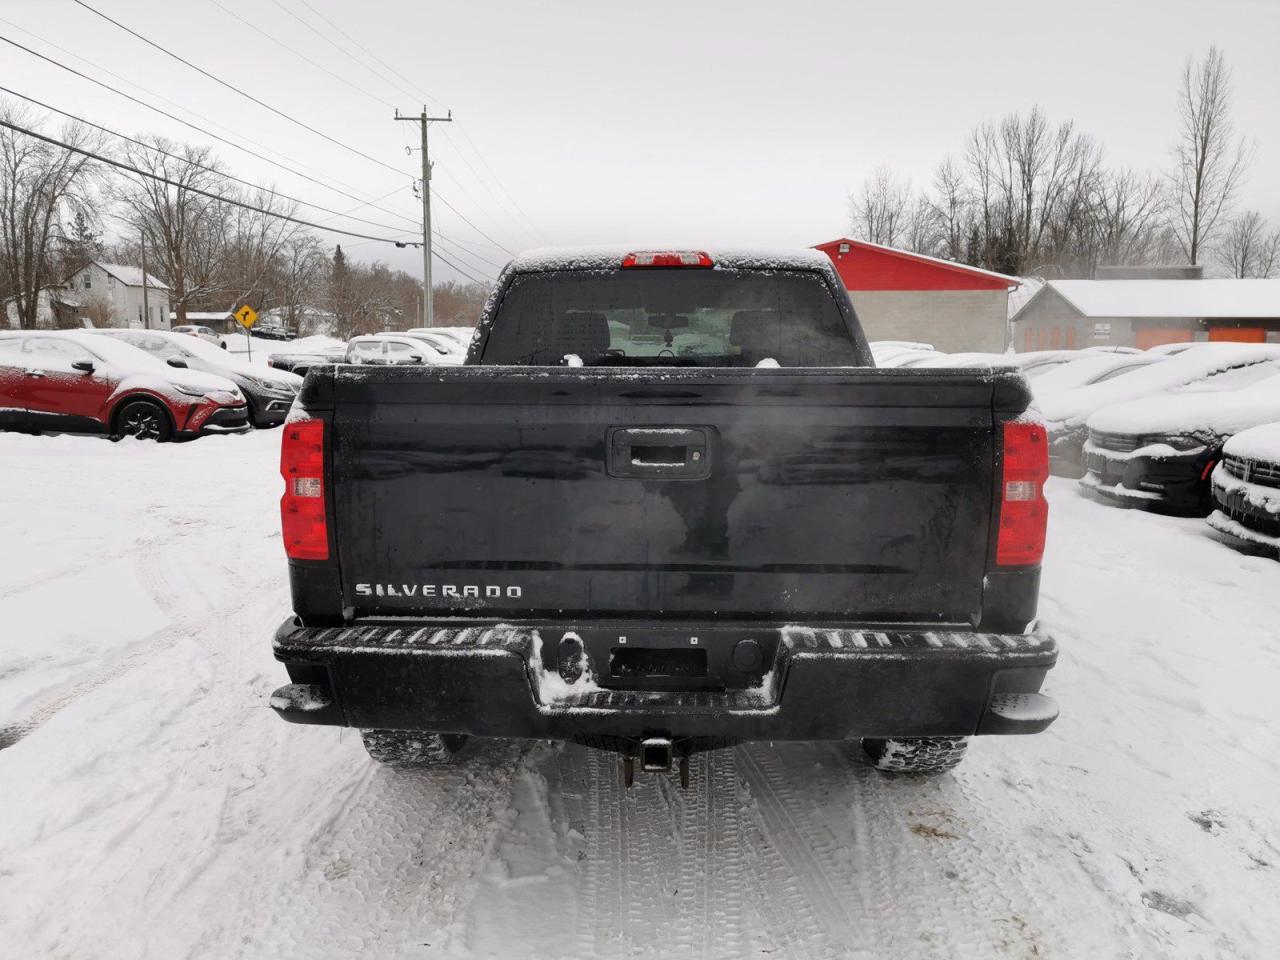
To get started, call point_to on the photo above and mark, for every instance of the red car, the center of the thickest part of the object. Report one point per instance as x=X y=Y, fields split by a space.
x=66 y=381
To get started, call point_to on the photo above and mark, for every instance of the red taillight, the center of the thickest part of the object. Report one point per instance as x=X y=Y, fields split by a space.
x=667 y=258
x=1024 y=513
x=302 y=516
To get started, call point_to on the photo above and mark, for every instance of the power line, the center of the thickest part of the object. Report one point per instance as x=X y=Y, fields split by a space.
x=208 y=133
x=464 y=252
x=420 y=92
x=440 y=256
x=196 y=190
x=501 y=186
x=301 y=56
x=455 y=251
x=369 y=53
x=472 y=225
x=339 y=48
x=201 y=166
x=232 y=87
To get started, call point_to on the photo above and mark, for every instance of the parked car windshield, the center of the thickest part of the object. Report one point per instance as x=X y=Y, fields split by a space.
x=1233 y=378
x=669 y=318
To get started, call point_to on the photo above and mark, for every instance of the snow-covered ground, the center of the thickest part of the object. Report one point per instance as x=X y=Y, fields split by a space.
x=152 y=806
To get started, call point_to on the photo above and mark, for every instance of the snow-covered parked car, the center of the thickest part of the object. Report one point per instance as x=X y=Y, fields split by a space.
x=1156 y=453
x=201 y=332
x=1210 y=367
x=897 y=353
x=388 y=350
x=1086 y=369
x=1246 y=491
x=970 y=360
x=438 y=349
x=269 y=393
x=75 y=382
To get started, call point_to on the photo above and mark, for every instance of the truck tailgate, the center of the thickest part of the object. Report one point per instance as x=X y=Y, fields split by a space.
x=857 y=494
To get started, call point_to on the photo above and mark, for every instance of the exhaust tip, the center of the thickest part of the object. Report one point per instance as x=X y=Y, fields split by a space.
x=655 y=754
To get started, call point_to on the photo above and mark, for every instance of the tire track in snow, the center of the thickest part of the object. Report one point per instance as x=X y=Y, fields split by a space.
x=392 y=866
x=799 y=870
x=154 y=572
x=664 y=867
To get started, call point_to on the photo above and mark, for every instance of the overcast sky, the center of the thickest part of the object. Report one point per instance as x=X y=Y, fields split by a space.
x=740 y=121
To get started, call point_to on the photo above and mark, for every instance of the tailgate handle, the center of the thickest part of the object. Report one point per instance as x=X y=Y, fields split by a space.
x=660 y=453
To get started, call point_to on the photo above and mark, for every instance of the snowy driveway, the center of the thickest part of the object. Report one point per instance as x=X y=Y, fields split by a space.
x=151 y=805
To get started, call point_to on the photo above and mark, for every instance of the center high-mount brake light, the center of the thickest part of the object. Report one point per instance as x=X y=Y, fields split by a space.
x=1024 y=513
x=302 y=515
x=667 y=258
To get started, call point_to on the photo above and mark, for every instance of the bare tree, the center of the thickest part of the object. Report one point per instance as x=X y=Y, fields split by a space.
x=1209 y=163
x=952 y=210
x=878 y=212
x=254 y=241
x=185 y=231
x=1269 y=256
x=42 y=186
x=1247 y=249
x=300 y=273
x=1127 y=210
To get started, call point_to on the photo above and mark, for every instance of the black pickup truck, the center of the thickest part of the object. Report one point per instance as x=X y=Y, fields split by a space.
x=668 y=504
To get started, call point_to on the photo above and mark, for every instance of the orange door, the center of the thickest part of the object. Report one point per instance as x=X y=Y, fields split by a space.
x=1028 y=341
x=1238 y=334
x=1071 y=338
x=1147 y=337
x=1055 y=338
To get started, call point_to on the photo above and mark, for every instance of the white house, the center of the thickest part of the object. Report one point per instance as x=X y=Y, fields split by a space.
x=120 y=287
x=54 y=308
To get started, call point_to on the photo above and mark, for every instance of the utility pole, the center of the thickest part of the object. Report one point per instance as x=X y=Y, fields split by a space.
x=423 y=120
x=146 y=308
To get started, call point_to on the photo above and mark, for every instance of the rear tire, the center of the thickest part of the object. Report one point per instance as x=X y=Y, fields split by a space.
x=918 y=755
x=412 y=748
x=143 y=420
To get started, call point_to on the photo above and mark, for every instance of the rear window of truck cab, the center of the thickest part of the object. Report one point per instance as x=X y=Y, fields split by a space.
x=697 y=318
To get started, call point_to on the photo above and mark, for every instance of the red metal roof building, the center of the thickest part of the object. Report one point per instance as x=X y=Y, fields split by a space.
x=907 y=296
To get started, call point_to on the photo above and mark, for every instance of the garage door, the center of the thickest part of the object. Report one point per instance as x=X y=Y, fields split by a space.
x=1147 y=337
x=1238 y=334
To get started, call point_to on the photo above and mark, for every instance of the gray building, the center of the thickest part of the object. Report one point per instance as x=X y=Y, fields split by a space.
x=111 y=294
x=1146 y=313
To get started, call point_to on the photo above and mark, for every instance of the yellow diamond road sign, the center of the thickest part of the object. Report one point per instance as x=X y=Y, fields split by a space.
x=247 y=316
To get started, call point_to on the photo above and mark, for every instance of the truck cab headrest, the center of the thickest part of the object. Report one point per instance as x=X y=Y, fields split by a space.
x=747 y=327
x=581 y=332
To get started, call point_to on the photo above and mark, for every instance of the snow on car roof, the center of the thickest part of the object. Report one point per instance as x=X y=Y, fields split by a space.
x=1085 y=368
x=1218 y=413
x=1258 y=443
x=117 y=352
x=961 y=360
x=1074 y=406
x=1171 y=298
x=609 y=256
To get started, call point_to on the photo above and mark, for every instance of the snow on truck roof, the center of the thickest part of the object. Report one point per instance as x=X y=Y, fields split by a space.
x=609 y=257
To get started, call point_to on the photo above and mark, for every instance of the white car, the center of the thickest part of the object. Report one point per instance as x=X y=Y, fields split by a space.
x=1088 y=368
x=204 y=333
x=1209 y=368
x=439 y=349
x=388 y=350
